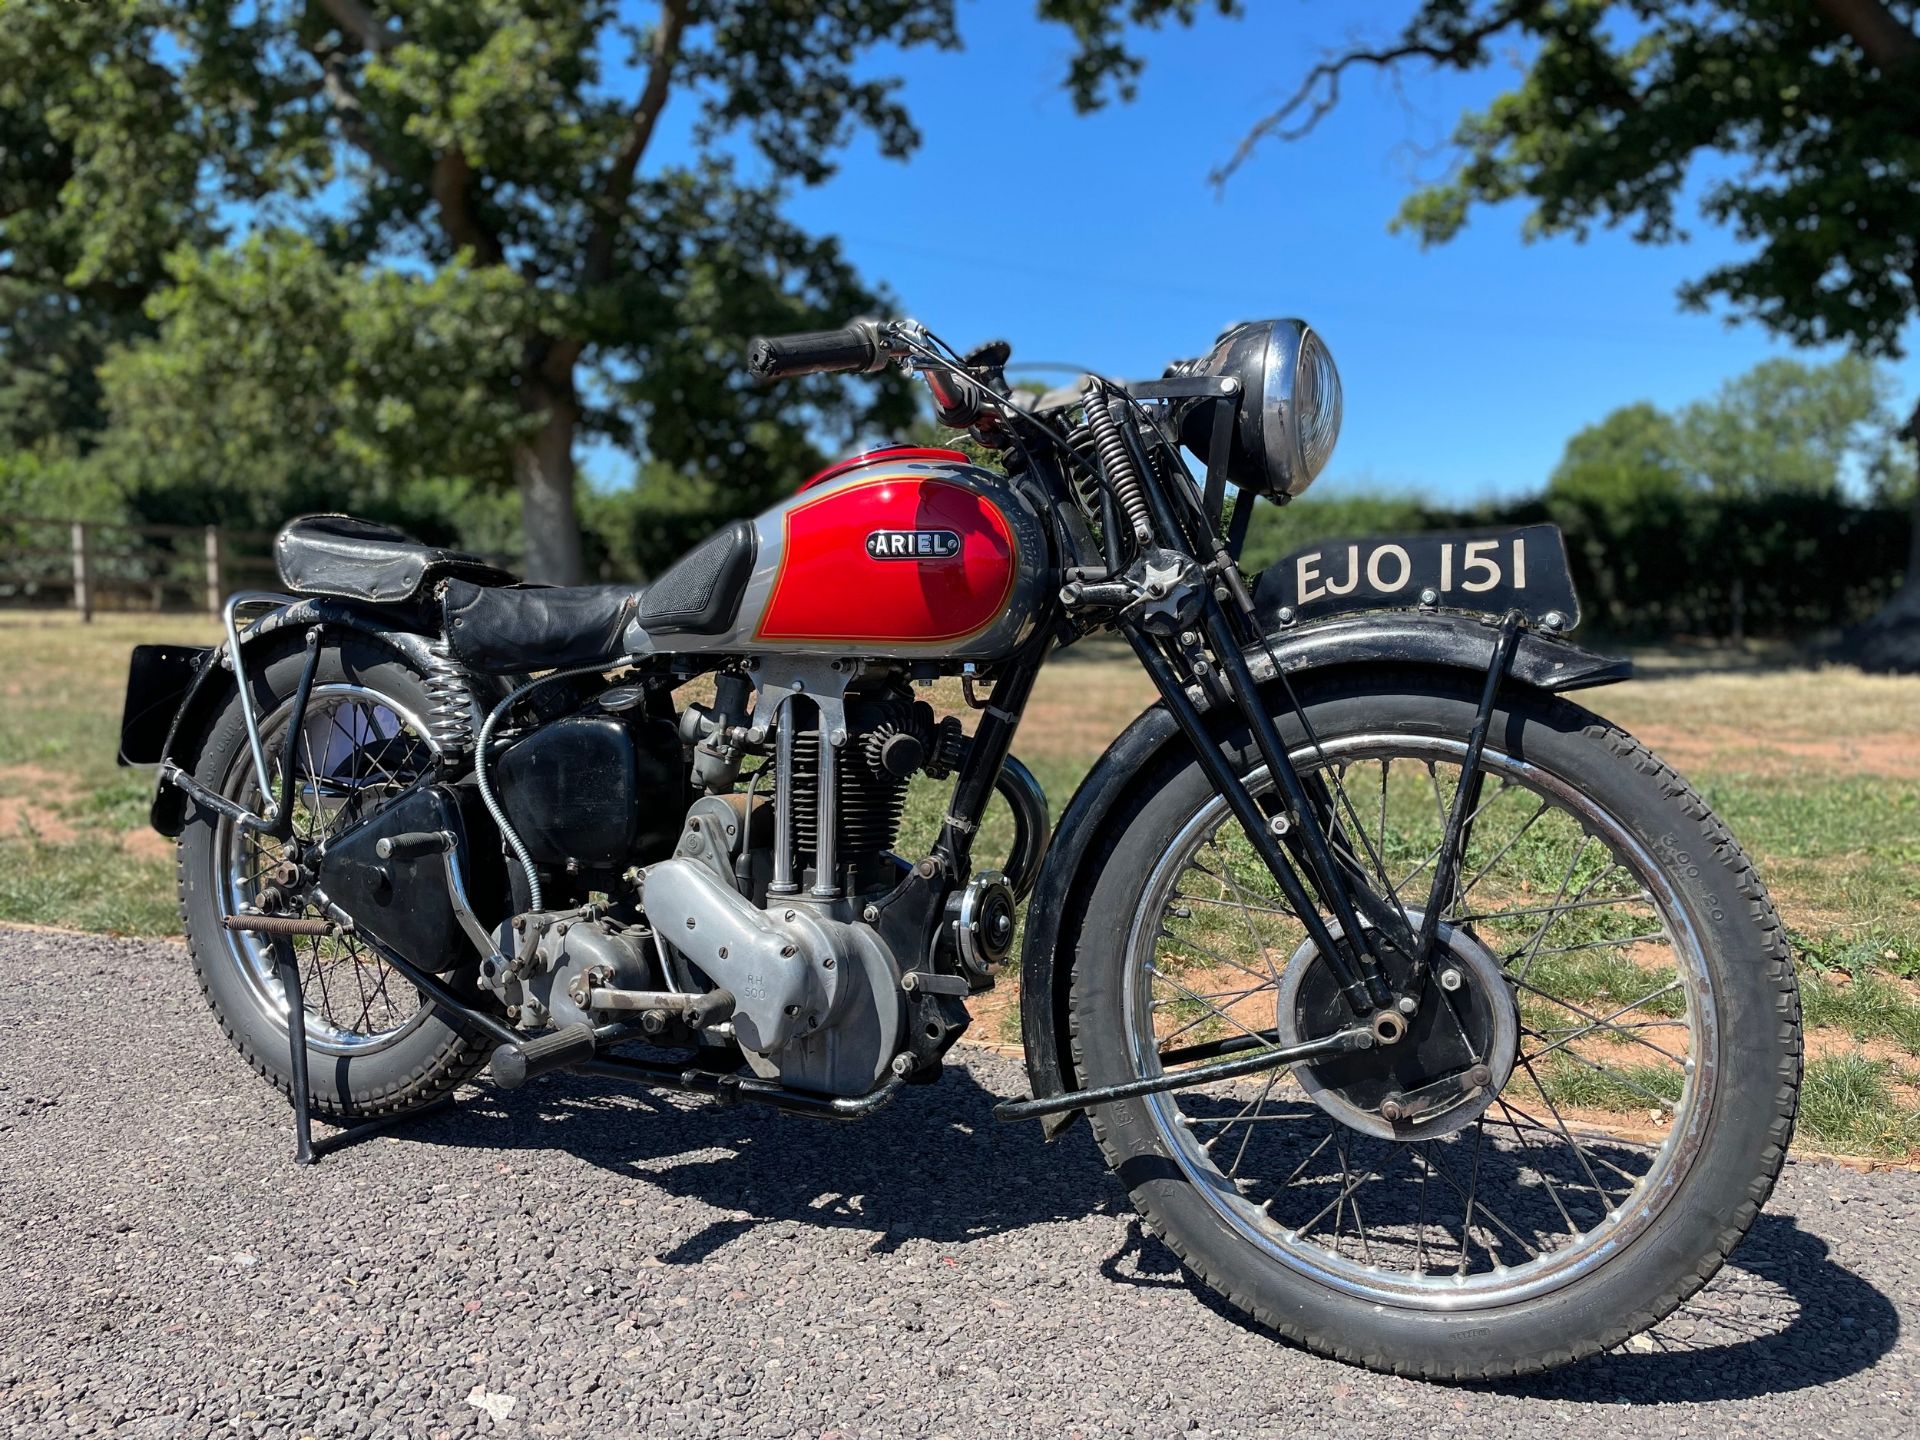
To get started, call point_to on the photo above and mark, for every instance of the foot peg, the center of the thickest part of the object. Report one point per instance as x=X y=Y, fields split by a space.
x=513 y=1065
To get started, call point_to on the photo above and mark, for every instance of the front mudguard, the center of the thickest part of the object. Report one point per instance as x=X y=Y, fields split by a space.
x=1399 y=639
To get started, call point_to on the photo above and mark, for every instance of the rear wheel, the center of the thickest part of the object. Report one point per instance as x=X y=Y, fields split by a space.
x=374 y=1045
x=1608 y=955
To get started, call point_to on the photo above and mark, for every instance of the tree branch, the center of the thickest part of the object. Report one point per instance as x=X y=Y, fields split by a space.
x=1881 y=37
x=646 y=116
x=450 y=181
x=344 y=101
x=1319 y=92
x=451 y=185
x=357 y=23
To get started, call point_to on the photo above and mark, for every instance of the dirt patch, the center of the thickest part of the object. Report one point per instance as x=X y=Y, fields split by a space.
x=1890 y=754
x=144 y=843
x=992 y=1012
x=21 y=816
x=54 y=784
x=32 y=803
x=1825 y=1042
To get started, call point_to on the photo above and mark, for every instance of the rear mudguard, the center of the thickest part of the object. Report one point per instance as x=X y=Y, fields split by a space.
x=213 y=682
x=1445 y=641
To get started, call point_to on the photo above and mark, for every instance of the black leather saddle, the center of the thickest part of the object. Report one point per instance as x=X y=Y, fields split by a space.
x=498 y=625
x=504 y=631
x=492 y=622
x=362 y=560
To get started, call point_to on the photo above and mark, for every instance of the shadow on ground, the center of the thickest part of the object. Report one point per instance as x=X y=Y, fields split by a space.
x=936 y=1166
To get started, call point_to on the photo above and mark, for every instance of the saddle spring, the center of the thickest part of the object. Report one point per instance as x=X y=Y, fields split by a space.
x=450 y=720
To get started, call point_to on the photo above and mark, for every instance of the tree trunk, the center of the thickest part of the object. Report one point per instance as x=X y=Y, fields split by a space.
x=1890 y=641
x=543 y=468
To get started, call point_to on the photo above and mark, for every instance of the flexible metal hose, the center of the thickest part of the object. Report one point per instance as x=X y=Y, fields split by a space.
x=491 y=801
x=1116 y=462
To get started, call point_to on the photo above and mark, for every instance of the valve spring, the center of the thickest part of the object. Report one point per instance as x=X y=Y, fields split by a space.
x=1116 y=461
x=450 y=717
x=870 y=804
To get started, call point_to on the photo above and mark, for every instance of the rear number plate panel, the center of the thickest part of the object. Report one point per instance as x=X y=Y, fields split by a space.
x=158 y=679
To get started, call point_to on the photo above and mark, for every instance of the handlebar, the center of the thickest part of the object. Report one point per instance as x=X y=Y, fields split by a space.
x=962 y=395
x=858 y=347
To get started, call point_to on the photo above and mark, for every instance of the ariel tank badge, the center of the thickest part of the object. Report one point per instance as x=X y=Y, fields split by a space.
x=913 y=544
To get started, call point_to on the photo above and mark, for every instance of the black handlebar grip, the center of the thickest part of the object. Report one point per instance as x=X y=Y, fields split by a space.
x=855 y=347
x=513 y=1065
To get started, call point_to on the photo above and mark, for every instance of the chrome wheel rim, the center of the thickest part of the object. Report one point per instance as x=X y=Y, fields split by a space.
x=1423 y=1224
x=358 y=750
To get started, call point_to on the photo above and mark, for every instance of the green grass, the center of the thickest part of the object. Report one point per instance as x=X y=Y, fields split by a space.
x=1868 y=1008
x=87 y=884
x=1835 y=831
x=1822 y=818
x=1847 y=1104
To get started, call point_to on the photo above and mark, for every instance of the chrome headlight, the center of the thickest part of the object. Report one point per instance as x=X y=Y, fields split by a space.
x=1289 y=407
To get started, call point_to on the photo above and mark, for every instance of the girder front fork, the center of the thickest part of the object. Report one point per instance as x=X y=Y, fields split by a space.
x=1308 y=822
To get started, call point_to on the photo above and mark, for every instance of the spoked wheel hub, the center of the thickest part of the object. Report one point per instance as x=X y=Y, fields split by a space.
x=1433 y=1072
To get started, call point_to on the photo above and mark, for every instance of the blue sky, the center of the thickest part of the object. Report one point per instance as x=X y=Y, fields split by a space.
x=1098 y=239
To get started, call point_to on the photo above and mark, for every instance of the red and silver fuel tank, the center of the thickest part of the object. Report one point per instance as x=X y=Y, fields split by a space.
x=897 y=552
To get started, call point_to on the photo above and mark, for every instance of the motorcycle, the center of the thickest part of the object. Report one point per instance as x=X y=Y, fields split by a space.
x=1426 y=1016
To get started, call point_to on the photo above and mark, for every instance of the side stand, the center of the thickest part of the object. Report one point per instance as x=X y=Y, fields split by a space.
x=305 y=1151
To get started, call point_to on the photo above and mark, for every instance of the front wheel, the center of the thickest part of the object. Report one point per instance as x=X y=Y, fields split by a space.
x=1585 y=1119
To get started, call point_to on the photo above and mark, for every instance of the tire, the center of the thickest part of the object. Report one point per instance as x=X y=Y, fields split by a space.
x=1726 y=1138
x=424 y=1056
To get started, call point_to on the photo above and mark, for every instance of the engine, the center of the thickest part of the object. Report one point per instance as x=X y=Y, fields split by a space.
x=758 y=926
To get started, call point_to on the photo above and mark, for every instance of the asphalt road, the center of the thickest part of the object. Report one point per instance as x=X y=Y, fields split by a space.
x=572 y=1260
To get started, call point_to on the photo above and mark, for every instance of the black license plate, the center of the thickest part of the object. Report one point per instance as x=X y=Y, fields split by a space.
x=1490 y=571
x=157 y=682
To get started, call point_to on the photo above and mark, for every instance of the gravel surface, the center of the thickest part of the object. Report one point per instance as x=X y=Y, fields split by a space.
x=574 y=1260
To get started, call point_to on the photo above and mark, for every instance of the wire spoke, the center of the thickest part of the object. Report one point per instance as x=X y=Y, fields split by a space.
x=1560 y=1129
x=1566 y=909
x=1510 y=1182
x=1398 y=1153
x=1434 y=854
x=1605 y=1022
x=1187 y=942
x=1622 y=941
x=1244 y=1029
x=1259 y=1104
x=1588 y=1015
x=1573 y=1230
x=1553 y=910
x=1470 y=1194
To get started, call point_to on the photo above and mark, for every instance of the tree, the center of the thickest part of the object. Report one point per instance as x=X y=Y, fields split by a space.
x=1633 y=456
x=1817 y=106
x=1789 y=427
x=281 y=380
x=1727 y=500
x=474 y=144
x=467 y=143
x=79 y=255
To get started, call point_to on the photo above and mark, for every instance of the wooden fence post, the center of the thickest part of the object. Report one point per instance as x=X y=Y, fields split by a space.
x=213 y=570
x=82 y=582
